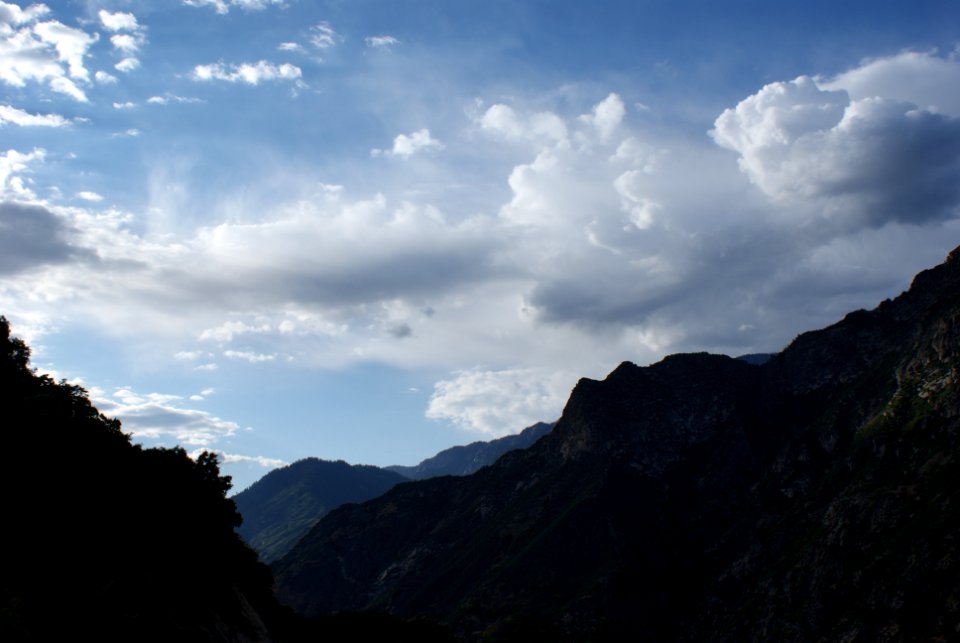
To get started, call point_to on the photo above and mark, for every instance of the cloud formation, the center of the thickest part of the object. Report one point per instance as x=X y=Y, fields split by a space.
x=247 y=73
x=43 y=52
x=381 y=42
x=19 y=117
x=864 y=162
x=223 y=6
x=31 y=237
x=157 y=416
x=600 y=238
x=406 y=145
x=498 y=403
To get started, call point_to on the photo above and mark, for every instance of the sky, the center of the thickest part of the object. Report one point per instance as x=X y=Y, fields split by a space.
x=372 y=229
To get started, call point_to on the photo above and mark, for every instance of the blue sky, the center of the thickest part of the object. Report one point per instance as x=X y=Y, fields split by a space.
x=370 y=230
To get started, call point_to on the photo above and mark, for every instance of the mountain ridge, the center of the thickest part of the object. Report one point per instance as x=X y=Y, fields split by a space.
x=465 y=459
x=691 y=489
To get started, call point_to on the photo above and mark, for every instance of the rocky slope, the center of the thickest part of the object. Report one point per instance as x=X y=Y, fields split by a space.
x=805 y=499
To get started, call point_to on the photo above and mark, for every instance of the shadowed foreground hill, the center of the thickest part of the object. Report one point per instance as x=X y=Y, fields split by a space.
x=103 y=540
x=107 y=539
x=809 y=498
x=281 y=506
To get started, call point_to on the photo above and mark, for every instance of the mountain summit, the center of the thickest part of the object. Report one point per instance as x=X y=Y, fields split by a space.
x=807 y=498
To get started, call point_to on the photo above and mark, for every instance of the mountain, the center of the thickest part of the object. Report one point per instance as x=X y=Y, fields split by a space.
x=107 y=539
x=464 y=460
x=808 y=498
x=282 y=506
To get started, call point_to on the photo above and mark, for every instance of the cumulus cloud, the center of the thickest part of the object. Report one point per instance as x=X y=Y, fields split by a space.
x=126 y=43
x=498 y=403
x=11 y=14
x=864 y=162
x=19 y=117
x=44 y=52
x=248 y=73
x=104 y=78
x=118 y=21
x=925 y=80
x=163 y=417
x=606 y=116
x=127 y=64
x=89 y=196
x=405 y=146
x=542 y=127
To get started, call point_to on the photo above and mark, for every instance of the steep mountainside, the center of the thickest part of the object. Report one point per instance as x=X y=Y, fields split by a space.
x=464 y=460
x=282 y=506
x=809 y=498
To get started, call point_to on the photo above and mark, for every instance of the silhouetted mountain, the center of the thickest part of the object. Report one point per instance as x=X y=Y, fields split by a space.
x=810 y=498
x=282 y=506
x=464 y=460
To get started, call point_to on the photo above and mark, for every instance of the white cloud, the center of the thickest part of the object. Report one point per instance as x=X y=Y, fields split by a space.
x=249 y=73
x=126 y=105
x=863 y=162
x=381 y=42
x=12 y=164
x=67 y=87
x=923 y=79
x=118 y=21
x=322 y=36
x=542 y=127
x=233 y=458
x=249 y=356
x=168 y=97
x=291 y=46
x=89 y=196
x=163 y=417
x=606 y=116
x=44 y=52
x=19 y=117
x=70 y=44
x=104 y=78
x=126 y=43
x=11 y=14
x=498 y=403
x=405 y=146
x=127 y=65
x=223 y=6
x=228 y=330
